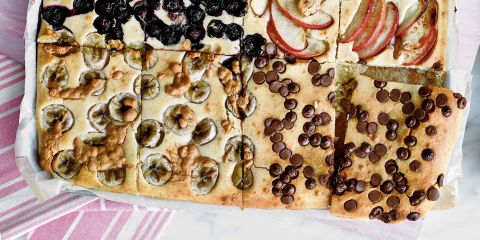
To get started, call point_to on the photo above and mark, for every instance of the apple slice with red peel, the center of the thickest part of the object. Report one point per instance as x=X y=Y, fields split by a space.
x=360 y=21
x=319 y=20
x=374 y=27
x=388 y=32
x=419 y=56
x=259 y=7
x=290 y=35
x=315 y=47
x=421 y=30
x=413 y=14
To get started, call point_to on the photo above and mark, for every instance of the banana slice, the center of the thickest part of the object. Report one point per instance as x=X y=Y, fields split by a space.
x=64 y=164
x=93 y=138
x=56 y=113
x=124 y=107
x=150 y=133
x=87 y=76
x=133 y=55
x=151 y=57
x=247 y=69
x=112 y=177
x=204 y=132
x=156 y=169
x=95 y=57
x=204 y=175
x=95 y=40
x=55 y=76
x=147 y=86
x=179 y=119
x=63 y=37
x=242 y=178
x=98 y=116
x=198 y=92
x=197 y=64
x=243 y=112
x=238 y=143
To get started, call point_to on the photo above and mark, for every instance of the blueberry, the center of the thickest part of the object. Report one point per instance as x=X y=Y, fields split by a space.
x=236 y=8
x=195 y=14
x=171 y=35
x=116 y=32
x=195 y=33
x=173 y=5
x=154 y=4
x=140 y=11
x=251 y=46
x=55 y=15
x=82 y=6
x=105 y=7
x=215 y=29
x=155 y=28
x=122 y=15
x=214 y=7
x=234 y=31
x=197 y=46
x=103 y=24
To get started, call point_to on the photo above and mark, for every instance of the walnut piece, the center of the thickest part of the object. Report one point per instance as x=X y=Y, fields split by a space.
x=80 y=92
x=226 y=125
x=131 y=113
x=181 y=83
x=185 y=114
x=116 y=44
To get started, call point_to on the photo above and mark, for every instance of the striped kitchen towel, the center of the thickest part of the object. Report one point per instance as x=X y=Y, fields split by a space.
x=67 y=216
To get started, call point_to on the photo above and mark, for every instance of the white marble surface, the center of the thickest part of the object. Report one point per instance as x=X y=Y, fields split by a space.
x=461 y=222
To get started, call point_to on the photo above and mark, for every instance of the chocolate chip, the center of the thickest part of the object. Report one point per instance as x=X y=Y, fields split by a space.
x=310 y=183
x=285 y=153
x=326 y=80
x=441 y=100
x=427 y=154
x=303 y=139
x=268 y=122
x=308 y=128
x=278 y=67
x=405 y=97
x=410 y=141
x=271 y=49
x=308 y=111
x=440 y=180
x=324 y=179
x=313 y=67
x=428 y=105
x=277 y=183
x=362 y=127
x=326 y=142
x=331 y=97
x=393 y=201
x=380 y=149
x=291 y=116
x=308 y=171
x=284 y=92
x=291 y=171
x=392 y=125
x=411 y=122
x=268 y=131
x=271 y=76
x=290 y=58
x=401 y=188
x=413 y=216
x=285 y=177
x=376 y=212
x=431 y=130
x=350 y=147
x=433 y=194
x=360 y=153
x=261 y=62
x=277 y=125
x=276 y=137
x=394 y=215
x=387 y=186
x=351 y=183
x=297 y=160
x=325 y=117
x=372 y=128
x=287 y=124
x=420 y=114
x=293 y=87
x=375 y=196
x=329 y=159
x=289 y=189
x=278 y=146
x=275 y=86
x=446 y=111
x=362 y=115
x=391 y=167
x=259 y=77
x=424 y=91
x=415 y=166
x=290 y=104
x=275 y=170
x=408 y=108
x=331 y=72
x=391 y=135
x=461 y=103
x=350 y=205
x=403 y=153
x=417 y=197
x=287 y=199
x=379 y=84
x=383 y=118
x=315 y=139
x=317 y=80
x=375 y=180
x=276 y=191
x=395 y=95
x=359 y=186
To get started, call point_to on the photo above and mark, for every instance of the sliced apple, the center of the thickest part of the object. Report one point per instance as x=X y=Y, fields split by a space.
x=413 y=14
x=420 y=55
x=315 y=47
x=374 y=27
x=319 y=20
x=421 y=30
x=359 y=22
x=259 y=7
x=290 y=35
x=388 y=32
